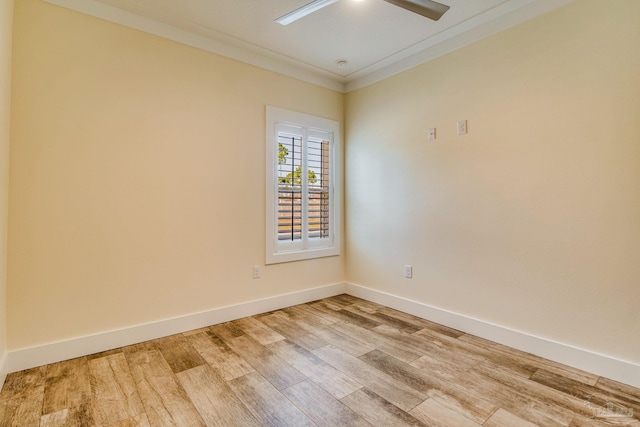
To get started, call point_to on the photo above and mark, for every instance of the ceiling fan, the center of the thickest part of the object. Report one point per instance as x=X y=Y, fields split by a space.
x=426 y=8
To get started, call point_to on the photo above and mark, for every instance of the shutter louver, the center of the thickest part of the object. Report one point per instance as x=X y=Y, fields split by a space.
x=318 y=164
x=303 y=208
x=289 y=187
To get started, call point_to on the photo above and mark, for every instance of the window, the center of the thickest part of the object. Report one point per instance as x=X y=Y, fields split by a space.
x=303 y=215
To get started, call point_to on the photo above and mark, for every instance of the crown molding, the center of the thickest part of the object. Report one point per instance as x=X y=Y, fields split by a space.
x=222 y=45
x=501 y=17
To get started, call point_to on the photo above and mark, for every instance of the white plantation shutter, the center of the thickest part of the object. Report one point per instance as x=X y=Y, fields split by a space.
x=301 y=208
x=319 y=192
x=290 y=191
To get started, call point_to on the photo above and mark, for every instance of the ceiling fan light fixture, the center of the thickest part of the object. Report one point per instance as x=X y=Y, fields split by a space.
x=303 y=11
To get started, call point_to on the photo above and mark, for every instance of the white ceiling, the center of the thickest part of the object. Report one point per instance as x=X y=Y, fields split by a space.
x=377 y=39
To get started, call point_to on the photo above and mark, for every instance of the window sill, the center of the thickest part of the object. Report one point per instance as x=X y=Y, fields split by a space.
x=300 y=255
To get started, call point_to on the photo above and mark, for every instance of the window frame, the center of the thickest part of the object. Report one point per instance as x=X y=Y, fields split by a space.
x=287 y=251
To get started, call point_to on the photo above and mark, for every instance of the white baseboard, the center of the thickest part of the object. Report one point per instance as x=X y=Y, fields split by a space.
x=599 y=364
x=3 y=371
x=26 y=358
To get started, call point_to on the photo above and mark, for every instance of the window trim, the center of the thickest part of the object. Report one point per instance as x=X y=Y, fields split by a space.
x=276 y=251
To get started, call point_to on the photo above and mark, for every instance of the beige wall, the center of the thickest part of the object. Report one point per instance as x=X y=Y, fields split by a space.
x=137 y=178
x=6 y=21
x=129 y=202
x=532 y=220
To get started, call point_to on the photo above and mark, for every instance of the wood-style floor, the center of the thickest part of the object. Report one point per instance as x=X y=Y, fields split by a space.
x=341 y=361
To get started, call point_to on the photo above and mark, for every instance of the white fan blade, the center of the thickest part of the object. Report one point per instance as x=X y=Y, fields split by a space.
x=303 y=11
x=427 y=8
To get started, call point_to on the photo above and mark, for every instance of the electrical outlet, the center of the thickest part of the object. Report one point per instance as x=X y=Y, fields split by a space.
x=408 y=272
x=462 y=127
x=256 y=271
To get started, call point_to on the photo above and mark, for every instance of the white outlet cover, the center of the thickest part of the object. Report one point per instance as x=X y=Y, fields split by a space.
x=408 y=271
x=462 y=127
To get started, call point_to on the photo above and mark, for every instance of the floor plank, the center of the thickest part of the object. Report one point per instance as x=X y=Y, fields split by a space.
x=515 y=401
x=334 y=337
x=77 y=416
x=258 y=330
x=214 y=399
x=267 y=404
x=343 y=315
x=378 y=411
x=430 y=348
x=402 y=351
x=137 y=421
x=523 y=364
x=433 y=413
x=596 y=396
x=273 y=368
x=321 y=407
x=419 y=322
x=379 y=382
x=282 y=323
x=524 y=368
x=335 y=361
x=337 y=383
x=545 y=396
x=384 y=319
x=68 y=386
x=504 y=418
x=114 y=396
x=18 y=383
x=449 y=393
x=306 y=311
x=616 y=387
x=58 y=418
x=23 y=411
x=218 y=355
x=178 y=353
x=165 y=401
x=227 y=331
